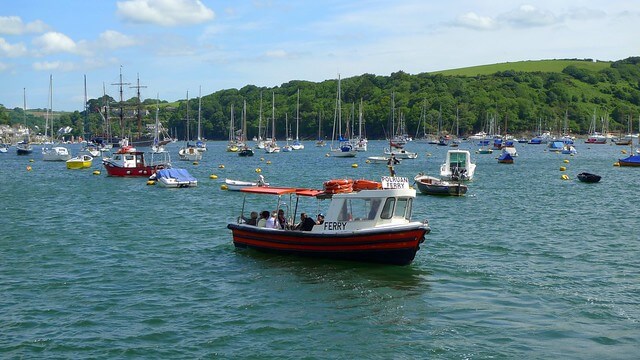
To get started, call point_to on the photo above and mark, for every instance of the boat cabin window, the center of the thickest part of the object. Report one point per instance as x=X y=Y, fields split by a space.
x=403 y=208
x=359 y=209
x=397 y=208
x=128 y=157
x=387 y=210
x=458 y=159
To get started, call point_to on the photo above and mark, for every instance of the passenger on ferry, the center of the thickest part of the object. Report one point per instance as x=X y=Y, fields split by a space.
x=282 y=221
x=254 y=219
x=320 y=219
x=306 y=223
x=272 y=221
x=264 y=215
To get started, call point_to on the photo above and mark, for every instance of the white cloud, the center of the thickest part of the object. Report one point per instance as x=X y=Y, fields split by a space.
x=112 y=39
x=11 y=50
x=528 y=16
x=13 y=25
x=53 y=65
x=55 y=42
x=165 y=12
x=475 y=21
x=3 y=67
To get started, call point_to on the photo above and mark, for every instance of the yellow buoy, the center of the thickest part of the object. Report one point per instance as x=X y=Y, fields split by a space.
x=268 y=162
x=220 y=166
x=96 y=172
x=261 y=159
x=258 y=170
x=224 y=187
x=562 y=168
x=327 y=155
x=428 y=154
x=354 y=165
x=616 y=164
x=565 y=177
x=623 y=151
x=195 y=163
x=213 y=176
x=28 y=168
x=368 y=161
x=566 y=161
x=151 y=182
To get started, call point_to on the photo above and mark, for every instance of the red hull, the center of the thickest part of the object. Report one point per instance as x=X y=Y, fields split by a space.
x=396 y=247
x=146 y=171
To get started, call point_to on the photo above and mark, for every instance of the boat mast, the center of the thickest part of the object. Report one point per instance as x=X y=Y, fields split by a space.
x=86 y=112
x=260 y=120
x=120 y=84
x=188 y=137
x=199 y=108
x=298 y=115
x=138 y=110
x=273 y=117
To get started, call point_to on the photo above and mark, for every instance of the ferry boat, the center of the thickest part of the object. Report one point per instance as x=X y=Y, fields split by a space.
x=370 y=225
x=129 y=162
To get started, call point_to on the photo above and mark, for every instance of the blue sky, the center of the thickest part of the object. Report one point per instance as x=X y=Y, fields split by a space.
x=179 y=45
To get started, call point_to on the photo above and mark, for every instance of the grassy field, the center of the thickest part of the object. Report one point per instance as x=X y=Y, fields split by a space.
x=526 y=66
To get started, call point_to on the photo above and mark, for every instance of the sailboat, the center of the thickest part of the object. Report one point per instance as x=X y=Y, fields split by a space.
x=189 y=152
x=54 y=153
x=360 y=144
x=260 y=143
x=271 y=146
x=320 y=142
x=24 y=147
x=594 y=136
x=245 y=150
x=157 y=146
x=83 y=160
x=233 y=145
x=344 y=148
x=286 y=147
x=200 y=144
x=297 y=145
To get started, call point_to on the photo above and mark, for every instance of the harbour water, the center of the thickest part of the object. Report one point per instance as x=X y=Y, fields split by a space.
x=526 y=265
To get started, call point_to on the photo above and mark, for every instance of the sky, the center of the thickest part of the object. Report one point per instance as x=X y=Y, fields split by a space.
x=179 y=46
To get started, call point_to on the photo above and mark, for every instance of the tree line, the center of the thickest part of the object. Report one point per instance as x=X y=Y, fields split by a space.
x=519 y=102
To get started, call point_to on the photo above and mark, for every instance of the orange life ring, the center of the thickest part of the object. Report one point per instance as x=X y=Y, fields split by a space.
x=363 y=184
x=338 y=186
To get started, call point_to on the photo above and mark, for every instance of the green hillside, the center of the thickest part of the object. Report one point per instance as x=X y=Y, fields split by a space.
x=555 y=66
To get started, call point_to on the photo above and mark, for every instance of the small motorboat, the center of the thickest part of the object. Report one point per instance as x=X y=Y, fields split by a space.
x=237 y=185
x=458 y=166
x=174 y=178
x=633 y=160
x=505 y=158
x=381 y=160
x=83 y=161
x=588 y=177
x=431 y=185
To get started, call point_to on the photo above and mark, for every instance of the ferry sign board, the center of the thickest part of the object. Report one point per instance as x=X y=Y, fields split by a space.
x=395 y=182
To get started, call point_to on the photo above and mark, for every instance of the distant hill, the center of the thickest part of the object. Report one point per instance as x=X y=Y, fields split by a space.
x=552 y=66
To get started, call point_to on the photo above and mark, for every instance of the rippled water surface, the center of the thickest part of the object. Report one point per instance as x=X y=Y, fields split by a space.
x=527 y=265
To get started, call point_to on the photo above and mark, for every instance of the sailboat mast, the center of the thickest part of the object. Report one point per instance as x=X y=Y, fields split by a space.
x=298 y=114
x=260 y=119
x=86 y=112
x=199 y=108
x=121 y=115
x=24 y=110
x=188 y=136
x=273 y=116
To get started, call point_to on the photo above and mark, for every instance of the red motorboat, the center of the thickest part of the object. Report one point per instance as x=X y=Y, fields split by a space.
x=129 y=162
x=367 y=225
